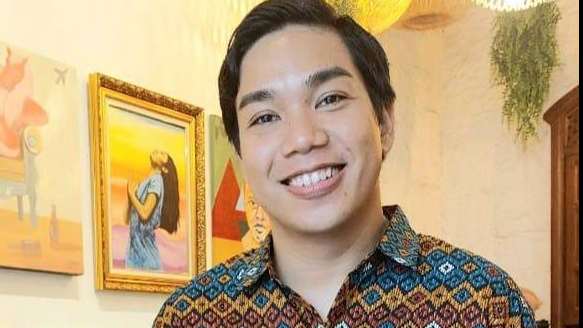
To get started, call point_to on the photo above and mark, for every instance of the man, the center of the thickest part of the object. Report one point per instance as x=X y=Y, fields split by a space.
x=308 y=105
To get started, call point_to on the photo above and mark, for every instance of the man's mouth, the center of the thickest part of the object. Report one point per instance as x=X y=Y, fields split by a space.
x=314 y=177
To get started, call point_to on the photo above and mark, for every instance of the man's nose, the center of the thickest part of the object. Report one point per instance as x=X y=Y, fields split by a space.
x=303 y=133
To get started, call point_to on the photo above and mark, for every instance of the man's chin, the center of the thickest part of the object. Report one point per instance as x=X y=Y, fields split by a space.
x=317 y=225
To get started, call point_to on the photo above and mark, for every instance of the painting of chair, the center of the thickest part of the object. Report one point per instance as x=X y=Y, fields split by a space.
x=18 y=176
x=40 y=221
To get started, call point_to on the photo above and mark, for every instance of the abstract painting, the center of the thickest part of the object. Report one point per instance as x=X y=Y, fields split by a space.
x=239 y=223
x=40 y=205
x=147 y=155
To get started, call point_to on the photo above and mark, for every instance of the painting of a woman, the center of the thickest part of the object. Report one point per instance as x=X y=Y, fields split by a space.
x=153 y=204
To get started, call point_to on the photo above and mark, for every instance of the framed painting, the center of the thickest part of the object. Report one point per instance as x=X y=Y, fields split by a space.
x=148 y=181
x=238 y=222
x=40 y=161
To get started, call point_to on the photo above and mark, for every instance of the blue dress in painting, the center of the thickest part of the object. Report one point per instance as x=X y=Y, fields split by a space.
x=142 y=252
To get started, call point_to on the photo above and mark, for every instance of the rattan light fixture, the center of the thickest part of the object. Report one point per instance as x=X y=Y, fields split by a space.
x=509 y=5
x=431 y=14
x=374 y=15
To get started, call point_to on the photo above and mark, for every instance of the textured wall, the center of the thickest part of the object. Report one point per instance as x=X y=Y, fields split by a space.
x=457 y=169
x=497 y=193
x=411 y=175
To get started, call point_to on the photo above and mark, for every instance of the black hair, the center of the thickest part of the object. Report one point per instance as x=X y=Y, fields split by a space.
x=366 y=53
x=170 y=210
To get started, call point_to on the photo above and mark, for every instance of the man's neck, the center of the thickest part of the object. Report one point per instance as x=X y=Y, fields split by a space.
x=315 y=266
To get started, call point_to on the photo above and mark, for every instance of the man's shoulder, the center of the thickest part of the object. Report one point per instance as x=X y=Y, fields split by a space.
x=470 y=276
x=454 y=261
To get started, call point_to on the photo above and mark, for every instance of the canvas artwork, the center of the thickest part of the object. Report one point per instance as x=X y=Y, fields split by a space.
x=147 y=156
x=40 y=214
x=239 y=223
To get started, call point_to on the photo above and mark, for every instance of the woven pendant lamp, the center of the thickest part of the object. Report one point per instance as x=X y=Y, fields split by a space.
x=374 y=15
x=509 y=5
x=430 y=14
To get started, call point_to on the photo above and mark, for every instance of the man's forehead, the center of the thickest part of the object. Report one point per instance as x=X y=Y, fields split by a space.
x=299 y=42
x=292 y=56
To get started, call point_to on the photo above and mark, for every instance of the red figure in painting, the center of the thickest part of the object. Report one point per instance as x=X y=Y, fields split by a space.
x=17 y=107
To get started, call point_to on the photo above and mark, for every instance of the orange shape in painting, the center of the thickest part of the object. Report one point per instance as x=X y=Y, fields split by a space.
x=225 y=213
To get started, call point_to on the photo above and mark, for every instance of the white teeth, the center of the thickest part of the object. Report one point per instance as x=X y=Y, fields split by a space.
x=297 y=181
x=308 y=179
x=300 y=181
x=315 y=177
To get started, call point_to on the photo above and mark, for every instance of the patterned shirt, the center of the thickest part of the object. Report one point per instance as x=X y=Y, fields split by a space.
x=409 y=280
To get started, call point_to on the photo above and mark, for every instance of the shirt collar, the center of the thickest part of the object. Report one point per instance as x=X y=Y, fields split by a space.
x=399 y=243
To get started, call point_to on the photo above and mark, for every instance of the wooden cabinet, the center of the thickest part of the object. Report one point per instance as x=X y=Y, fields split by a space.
x=564 y=120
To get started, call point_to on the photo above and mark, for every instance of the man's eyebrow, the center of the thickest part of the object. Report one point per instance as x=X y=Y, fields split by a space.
x=313 y=81
x=325 y=75
x=255 y=96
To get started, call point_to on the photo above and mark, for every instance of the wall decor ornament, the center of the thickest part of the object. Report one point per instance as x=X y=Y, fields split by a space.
x=523 y=55
x=147 y=156
x=40 y=153
x=432 y=14
x=509 y=5
x=374 y=15
x=238 y=222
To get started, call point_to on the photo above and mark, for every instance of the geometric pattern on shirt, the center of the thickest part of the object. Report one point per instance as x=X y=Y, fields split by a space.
x=409 y=280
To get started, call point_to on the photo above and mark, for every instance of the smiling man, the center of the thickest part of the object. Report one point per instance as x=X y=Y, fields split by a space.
x=307 y=103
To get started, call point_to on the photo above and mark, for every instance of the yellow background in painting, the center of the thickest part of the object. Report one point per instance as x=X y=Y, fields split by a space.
x=224 y=249
x=131 y=139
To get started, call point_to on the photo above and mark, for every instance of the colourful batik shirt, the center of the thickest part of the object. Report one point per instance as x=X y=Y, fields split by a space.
x=409 y=280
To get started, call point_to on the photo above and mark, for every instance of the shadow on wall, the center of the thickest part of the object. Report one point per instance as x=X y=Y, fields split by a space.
x=119 y=301
x=39 y=284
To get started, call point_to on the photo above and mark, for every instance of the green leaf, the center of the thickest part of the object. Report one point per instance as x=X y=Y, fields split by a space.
x=523 y=55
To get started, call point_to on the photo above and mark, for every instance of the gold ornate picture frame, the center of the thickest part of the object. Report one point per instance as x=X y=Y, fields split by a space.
x=147 y=156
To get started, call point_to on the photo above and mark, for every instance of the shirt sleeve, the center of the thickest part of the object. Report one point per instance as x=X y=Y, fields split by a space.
x=168 y=317
x=155 y=186
x=507 y=307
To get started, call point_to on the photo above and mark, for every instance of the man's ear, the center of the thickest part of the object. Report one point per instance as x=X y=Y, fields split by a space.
x=242 y=167
x=387 y=126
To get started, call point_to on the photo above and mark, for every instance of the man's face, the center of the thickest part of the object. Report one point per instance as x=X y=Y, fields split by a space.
x=310 y=144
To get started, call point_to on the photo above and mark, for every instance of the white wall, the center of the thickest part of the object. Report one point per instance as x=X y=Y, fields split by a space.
x=411 y=175
x=172 y=47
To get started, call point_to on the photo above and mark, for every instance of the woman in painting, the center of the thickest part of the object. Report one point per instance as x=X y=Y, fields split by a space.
x=153 y=204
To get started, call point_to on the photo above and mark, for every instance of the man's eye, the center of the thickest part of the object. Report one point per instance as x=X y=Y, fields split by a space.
x=265 y=119
x=330 y=100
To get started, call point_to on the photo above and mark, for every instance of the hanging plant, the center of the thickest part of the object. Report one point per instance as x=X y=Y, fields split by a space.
x=523 y=55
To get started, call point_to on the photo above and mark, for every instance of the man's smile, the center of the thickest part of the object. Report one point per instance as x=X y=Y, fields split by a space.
x=315 y=182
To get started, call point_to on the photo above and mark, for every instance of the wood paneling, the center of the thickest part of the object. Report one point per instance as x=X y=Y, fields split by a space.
x=564 y=120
